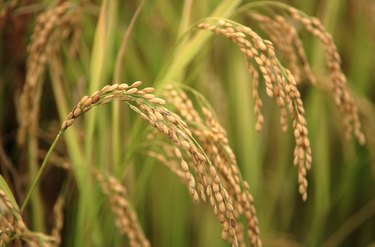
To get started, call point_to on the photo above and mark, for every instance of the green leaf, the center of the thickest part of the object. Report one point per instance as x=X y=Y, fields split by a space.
x=8 y=192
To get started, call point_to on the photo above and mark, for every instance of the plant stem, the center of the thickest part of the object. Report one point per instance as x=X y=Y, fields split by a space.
x=116 y=133
x=41 y=169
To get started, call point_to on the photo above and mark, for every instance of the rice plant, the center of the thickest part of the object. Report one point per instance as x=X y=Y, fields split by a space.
x=167 y=123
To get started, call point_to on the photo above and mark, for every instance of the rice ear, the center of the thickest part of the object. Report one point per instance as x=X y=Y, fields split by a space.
x=279 y=81
x=126 y=218
x=342 y=97
x=172 y=126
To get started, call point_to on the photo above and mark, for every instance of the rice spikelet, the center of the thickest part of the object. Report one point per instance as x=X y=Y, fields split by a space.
x=286 y=40
x=126 y=218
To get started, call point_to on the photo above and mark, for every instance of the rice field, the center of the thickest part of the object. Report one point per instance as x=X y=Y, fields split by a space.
x=187 y=123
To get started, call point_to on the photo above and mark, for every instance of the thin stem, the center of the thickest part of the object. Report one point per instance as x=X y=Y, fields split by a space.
x=41 y=169
x=185 y=19
x=124 y=43
x=116 y=154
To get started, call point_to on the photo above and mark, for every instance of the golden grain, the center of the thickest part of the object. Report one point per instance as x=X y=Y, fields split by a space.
x=126 y=218
x=177 y=131
x=341 y=95
x=44 y=42
x=215 y=144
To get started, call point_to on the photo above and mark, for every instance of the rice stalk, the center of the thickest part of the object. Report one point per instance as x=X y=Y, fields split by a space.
x=45 y=41
x=117 y=77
